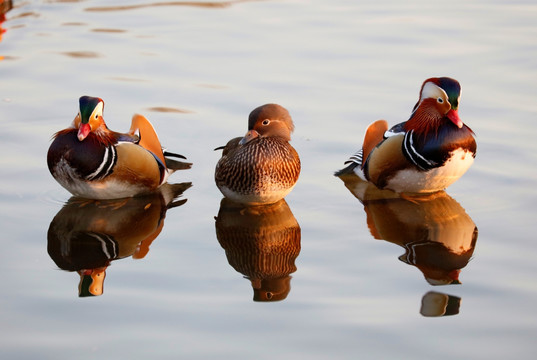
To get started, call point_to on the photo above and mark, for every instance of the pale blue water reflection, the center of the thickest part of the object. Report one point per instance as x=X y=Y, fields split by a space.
x=196 y=72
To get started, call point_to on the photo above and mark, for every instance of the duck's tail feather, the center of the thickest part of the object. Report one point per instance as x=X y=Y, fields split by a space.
x=170 y=154
x=353 y=162
x=349 y=169
x=174 y=165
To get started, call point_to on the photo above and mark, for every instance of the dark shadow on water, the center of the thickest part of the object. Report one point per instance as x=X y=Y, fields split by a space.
x=262 y=243
x=436 y=233
x=87 y=235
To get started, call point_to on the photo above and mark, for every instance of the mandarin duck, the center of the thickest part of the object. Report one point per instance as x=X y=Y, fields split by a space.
x=91 y=161
x=261 y=167
x=424 y=154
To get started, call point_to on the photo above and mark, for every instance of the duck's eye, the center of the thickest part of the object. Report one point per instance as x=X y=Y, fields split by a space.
x=96 y=116
x=266 y=122
x=440 y=100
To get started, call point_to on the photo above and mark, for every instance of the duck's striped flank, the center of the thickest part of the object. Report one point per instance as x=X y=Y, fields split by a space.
x=413 y=155
x=106 y=166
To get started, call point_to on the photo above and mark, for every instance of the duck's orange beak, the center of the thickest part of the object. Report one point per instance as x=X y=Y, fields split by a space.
x=453 y=115
x=83 y=131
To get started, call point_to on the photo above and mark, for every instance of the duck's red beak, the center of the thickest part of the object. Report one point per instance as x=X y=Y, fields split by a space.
x=453 y=115
x=83 y=131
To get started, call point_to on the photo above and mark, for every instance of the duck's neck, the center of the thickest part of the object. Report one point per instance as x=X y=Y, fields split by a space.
x=424 y=121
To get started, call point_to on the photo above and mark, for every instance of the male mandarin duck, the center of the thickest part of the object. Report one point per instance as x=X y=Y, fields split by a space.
x=91 y=161
x=261 y=167
x=425 y=154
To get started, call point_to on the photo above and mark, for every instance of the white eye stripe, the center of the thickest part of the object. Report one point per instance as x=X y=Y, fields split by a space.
x=98 y=111
x=431 y=90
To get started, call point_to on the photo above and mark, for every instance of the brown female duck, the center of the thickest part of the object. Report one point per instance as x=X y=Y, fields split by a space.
x=261 y=167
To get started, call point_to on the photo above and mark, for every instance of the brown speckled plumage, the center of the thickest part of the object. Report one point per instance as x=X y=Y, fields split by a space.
x=262 y=167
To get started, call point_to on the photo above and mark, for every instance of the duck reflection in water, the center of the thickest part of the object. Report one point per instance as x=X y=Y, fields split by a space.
x=86 y=235
x=262 y=243
x=434 y=304
x=437 y=234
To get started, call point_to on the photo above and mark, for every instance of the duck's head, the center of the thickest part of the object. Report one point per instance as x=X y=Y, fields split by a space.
x=90 y=116
x=439 y=102
x=441 y=94
x=269 y=120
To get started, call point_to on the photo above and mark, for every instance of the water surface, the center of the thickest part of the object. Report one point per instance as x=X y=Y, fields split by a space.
x=349 y=280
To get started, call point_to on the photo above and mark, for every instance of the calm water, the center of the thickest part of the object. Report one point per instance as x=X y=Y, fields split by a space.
x=184 y=286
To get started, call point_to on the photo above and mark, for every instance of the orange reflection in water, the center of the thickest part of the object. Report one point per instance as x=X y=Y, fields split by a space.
x=87 y=235
x=435 y=231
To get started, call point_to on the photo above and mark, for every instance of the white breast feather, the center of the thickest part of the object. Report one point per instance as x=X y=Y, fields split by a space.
x=414 y=181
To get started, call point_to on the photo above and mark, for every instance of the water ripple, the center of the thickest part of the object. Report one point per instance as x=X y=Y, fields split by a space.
x=165 y=109
x=81 y=54
x=212 y=4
